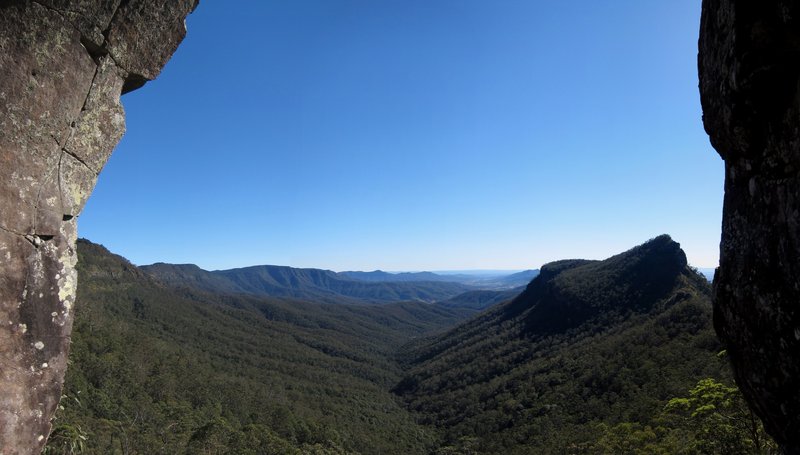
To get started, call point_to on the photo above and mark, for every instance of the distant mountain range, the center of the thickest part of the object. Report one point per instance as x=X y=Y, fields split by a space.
x=381 y=276
x=509 y=281
x=330 y=287
x=307 y=284
x=484 y=280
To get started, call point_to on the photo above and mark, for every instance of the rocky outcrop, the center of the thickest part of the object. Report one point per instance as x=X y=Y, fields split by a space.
x=749 y=67
x=63 y=66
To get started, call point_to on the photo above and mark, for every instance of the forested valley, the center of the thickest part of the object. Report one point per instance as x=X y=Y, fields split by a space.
x=595 y=357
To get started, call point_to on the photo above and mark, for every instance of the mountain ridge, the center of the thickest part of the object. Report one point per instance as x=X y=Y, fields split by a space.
x=571 y=297
x=581 y=329
x=381 y=276
x=303 y=283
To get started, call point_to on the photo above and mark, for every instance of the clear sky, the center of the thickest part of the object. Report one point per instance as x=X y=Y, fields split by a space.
x=416 y=135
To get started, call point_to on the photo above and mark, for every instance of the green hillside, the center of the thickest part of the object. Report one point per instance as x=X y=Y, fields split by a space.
x=158 y=370
x=587 y=344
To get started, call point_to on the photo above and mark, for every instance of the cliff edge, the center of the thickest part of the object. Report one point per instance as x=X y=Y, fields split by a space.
x=63 y=66
x=749 y=66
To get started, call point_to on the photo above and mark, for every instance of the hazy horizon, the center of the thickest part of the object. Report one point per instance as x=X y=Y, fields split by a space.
x=450 y=271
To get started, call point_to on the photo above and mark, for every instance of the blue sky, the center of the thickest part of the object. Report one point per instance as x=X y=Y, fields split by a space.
x=415 y=135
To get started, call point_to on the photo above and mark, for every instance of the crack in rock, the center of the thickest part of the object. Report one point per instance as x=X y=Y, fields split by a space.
x=62 y=70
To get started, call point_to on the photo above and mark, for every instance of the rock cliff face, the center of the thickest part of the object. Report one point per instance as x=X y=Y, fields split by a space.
x=749 y=66
x=63 y=66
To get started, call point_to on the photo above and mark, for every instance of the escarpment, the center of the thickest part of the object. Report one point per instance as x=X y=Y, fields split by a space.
x=63 y=66
x=749 y=66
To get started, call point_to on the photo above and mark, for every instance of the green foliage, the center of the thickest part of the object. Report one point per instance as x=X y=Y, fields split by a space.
x=517 y=393
x=465 y=445
x=66 y=439
x=631 y=439
x=712 y=420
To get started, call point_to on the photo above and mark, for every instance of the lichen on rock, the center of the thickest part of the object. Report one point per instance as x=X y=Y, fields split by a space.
x=63 y=66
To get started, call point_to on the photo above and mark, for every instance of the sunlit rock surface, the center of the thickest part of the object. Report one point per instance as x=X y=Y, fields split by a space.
x=749 y=77
x=63 y=66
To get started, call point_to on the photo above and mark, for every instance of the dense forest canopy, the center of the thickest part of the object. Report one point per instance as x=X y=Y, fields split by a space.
x=592 y=357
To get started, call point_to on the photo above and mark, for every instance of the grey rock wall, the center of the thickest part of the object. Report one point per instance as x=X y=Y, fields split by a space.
x=749 y=65
x=63 y=66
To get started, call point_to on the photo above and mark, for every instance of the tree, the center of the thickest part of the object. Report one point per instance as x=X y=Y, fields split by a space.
x=712 y=420
x=719 y=420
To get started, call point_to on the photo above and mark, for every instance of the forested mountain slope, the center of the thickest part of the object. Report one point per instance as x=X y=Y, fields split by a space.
x=481 y=299
x=588 y=342
x=319 y=285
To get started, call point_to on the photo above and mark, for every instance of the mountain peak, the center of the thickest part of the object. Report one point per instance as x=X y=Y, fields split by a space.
x=551 y=269
x=660 y=254
x=570 y=292
x=663 y=245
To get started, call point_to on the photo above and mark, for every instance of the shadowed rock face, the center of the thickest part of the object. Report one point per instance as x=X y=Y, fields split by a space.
x=749 y=67
x=63 y=65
